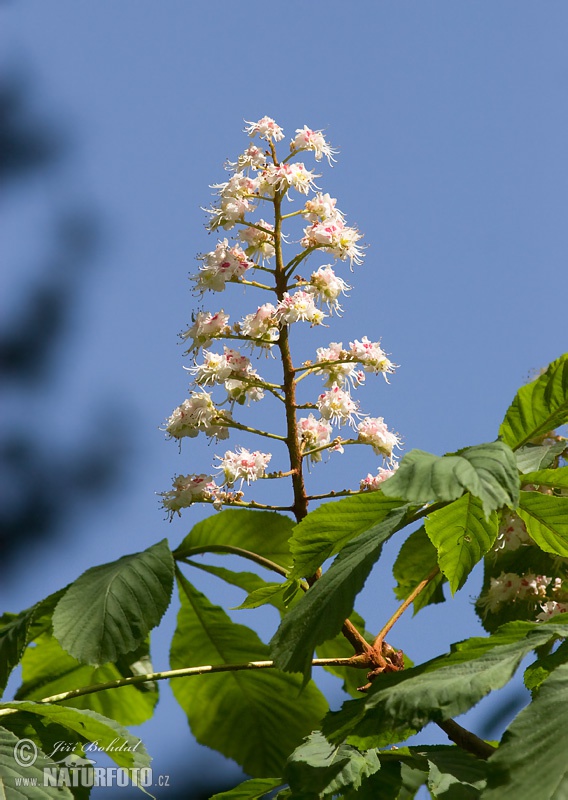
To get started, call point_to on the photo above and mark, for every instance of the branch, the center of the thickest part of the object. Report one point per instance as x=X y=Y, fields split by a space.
x=466 y=739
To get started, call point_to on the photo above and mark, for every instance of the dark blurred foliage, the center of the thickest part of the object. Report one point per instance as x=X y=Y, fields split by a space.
x=41 y=479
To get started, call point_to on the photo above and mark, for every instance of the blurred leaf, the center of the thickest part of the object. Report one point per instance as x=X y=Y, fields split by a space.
x=488 y=471
x=92 y=727
x=255 y=717
x=415 y=561
x=531 y=759
x=538 y=407
x=48 y=670
x=263 y=532
x=11 y=771
x=325 y=769
x=250 y=790
x=110 y=609
x=454 y=774
x=546 y=519
x=328 y=528
x=441 y=688
x=532 y=457
x=320 y=614
x=462 y=535
x=539 y=670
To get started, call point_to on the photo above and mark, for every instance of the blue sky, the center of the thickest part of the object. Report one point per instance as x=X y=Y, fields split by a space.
x=451 y=120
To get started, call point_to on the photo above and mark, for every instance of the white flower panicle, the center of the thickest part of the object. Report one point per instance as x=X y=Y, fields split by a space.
x=243 y=465
x=258 y=179
x=373 y=431
x=512 y=533
x=307 y=139
x=205 y=328
x=266 y=129
x=510 y=587
x=551 y=609
x=221 y=265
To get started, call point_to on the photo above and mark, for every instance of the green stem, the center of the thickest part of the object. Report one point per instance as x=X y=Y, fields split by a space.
x=237 y=551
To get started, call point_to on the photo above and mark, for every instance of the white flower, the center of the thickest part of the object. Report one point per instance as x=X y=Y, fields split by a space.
x=372 y=483
x=279 y=178
x=503 y=589
x=306 y=139
x=238 y=196
x=259 y=242
x=336 y=238
x=217 y=368
x=337 y=370
x=221 y=265
x=253 y=157
x=299 y=306
x=550 y=609
x=266 y=128
x=189 y=489
x=195 y=414
x=314 y=433
x=321 y=208
x=373 y=431
x=262 y=325
x=205 y=328
x=326 y=287
x=337 y=406
x=371 y=355
x=512 y=533
x=242 y=392
x=243 y=465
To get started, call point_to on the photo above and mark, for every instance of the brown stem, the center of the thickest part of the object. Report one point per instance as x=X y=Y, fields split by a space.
x=466 y=739
x=403 y=606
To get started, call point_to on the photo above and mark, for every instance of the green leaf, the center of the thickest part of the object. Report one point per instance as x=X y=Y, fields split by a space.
x=250 y=790
x=255 y=717
x=532 y=457
x=110 y=609
x=539 y=670
x=415 y=561
x=14 y=776
x=385 y=784
x=441 y=688
x=531 y=759
x=488 y=471
x=325 y=769
x=126 y=750
x=462 y=535
x=48 y=670
x=555 y=478
x=538 y=407
x=320 y=614
x=263 y=532
x=453 y=773
x=325 y=531
x=546 y=519
x=17 y=630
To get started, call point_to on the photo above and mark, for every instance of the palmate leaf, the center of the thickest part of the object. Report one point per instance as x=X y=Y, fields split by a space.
x=48 y=670
x=441 y=688
x=323 y=769
x=255 y=717
x=325 y=531
x=462 y=535
x=110 y=609
x=11 y=773
x=531 y=760
x=415 y=561
x=538 y=407
x=546 y=519
x=126 y=750
x=263 y=532
x=555 y=478
x=488 y=471
x=320 y=614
